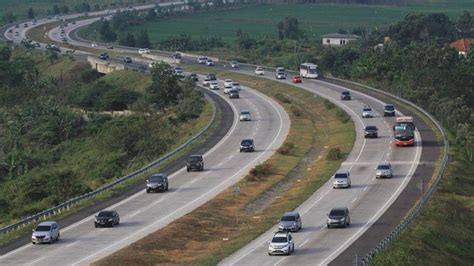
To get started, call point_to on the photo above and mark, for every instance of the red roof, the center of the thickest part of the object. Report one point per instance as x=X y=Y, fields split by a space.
x=463 y=45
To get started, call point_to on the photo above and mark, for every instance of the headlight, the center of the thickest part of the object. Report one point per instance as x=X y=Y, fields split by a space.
x=110 y=220
x=33 y=237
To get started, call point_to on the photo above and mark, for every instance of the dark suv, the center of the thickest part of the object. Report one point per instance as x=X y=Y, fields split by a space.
x=389 y=110
x=195 y=162
x=371 y=132
x=338 y=217
x=211 y=76
x=247 y=145
x=346 y=96
x=157 y=182
x=107 y=218
x=104 y=56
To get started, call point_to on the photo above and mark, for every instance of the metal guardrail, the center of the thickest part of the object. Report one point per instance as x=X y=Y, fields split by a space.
x=65 y=206
x=415 y=210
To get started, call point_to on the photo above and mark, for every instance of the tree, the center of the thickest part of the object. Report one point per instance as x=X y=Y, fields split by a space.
x=281 y=34
x=8 y=17
x=143 y=40
x=164 y=90
x=56 y=10
x=289 y=28
x=31 y=13
x=106 y=33
x=5 y=54
x=151 y=14
x=127 y=40
x=64 y=9
x=465 y=25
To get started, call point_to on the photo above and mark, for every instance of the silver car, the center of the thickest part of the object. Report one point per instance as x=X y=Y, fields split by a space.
x=245 y=116
x=290 y=221
x=338 y=217
x=281 y=243
x=367 y=112
x=342 y=179
x=46 y=232
x=384 y=170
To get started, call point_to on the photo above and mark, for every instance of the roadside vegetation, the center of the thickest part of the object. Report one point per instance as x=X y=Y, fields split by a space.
x=212 y=232
x=66 y=130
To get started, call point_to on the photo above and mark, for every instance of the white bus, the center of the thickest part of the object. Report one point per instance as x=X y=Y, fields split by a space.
x=309 y=70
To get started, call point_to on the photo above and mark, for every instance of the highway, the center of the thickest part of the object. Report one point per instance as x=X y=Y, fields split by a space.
x=367 y=199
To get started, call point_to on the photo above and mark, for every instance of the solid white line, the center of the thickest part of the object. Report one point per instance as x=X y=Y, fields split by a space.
x=35 y=261
x=304 y=242
x=72 y=244
x=365 y=188
x=354 y=200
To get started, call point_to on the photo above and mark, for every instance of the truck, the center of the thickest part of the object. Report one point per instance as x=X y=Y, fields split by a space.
x=404 y=131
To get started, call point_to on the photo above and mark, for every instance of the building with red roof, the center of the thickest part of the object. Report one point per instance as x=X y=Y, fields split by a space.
x=463 y=46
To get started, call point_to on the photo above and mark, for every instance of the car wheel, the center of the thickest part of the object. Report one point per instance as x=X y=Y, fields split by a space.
x=187 y=169
x=112 y=224
x=328 y=226
x=96 y=225
x=240 y=150
x=166 y=188
x=147 y=191
x=59 y=235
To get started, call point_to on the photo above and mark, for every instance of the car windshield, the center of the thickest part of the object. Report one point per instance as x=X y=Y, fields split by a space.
x=371 y=128
x=383 y=167
x=279 y=239
x=244 y=113
x=43 y=228
x=194 y=159
x=340 y=175
x=288 y=218
x=235 y=84
x=259 y=68
x=157 y=178
x=246 y=142
x=337 y=213
x=389 y=107
x=105 y=214
x=345 y=93
x=367 y=109
x=281 y=72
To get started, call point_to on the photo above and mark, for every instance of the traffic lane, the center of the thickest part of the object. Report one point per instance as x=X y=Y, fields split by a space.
x=85 y=245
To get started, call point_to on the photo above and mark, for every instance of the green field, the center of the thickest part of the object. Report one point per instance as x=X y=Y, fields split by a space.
x=314 y=19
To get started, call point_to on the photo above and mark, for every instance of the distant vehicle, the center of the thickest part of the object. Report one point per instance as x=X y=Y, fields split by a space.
x=127 y=59
x=202 y=60
x=342 y=179
x=290 y=221
x=36 y=44
x=104 y=56
x=52 y=47
x=179 y=72
x=151 y=64
x=389 y=110
x=73 y=22
x=157 y=182
x=209 y=62
x=297 y=79
x=234 y=94
x=212 y=76
x=245 y=116
x=206 y=82
x=194 y=77
x=281 y=243
x=62 y=31
x=371 y=132
x=10 y=30
x=280 y=73
x=259 y=71
x=309 y=70
x=234 y=64
x=110 y=47
x=346 y=96
x=383 y=170
x=17 y=26
x=195 y=162
x=214 y=85
x=227 y=90
x=404 y=131
x=236 y=86
x=247 y=145
x=64 y=39
x=176 y=55
x=25 y=25
x=17 y=33
x=46 y=232
x=339 y=217
x=227 y=83
x=107 y=218
x=367 y=112
x=94 y=44
x=143 y=51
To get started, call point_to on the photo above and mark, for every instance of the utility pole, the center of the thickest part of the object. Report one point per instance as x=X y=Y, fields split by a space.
x=236 y=193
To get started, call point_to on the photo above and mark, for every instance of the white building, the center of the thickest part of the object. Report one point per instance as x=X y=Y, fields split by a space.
x=338 y=39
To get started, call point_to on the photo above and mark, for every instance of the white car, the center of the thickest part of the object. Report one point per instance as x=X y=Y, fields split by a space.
x=236 y=86
x=245 y=116
x=94 y=44
x=342 y=179
x=209 y=62
x=281 y=243
x=228 y=83
x=206 y=82
x=214 y=85
x=143 y=51
x=367 y=112
x=227 y=90
x=259 y=71
x=46 y=232
x=202 y=60
x=234 y=64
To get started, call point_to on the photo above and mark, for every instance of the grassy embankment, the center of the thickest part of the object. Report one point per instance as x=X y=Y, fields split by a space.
x=316 y=128
x=64 y=68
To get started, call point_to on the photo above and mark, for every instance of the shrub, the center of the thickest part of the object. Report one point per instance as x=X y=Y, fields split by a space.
x=286 y=148
x=342 y=116
x=282 y=98
x=329 y=105
x=259 y=171
x=296 y=111
x=334 y=154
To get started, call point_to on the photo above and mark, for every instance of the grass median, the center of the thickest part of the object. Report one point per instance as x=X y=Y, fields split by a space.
x=227 y=222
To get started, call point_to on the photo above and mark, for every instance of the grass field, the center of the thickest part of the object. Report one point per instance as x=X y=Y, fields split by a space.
x=314 y=19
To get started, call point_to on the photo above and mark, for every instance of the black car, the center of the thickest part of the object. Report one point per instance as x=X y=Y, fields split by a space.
x=247 y=145
x=176 y=55
x=211 y=76
x=234 y=94
x=110 y=47
x=194 y=77
x=157 y=182
x=371 y=132
x=346 y=96
x=389 y=110
x=195 y=162
x=107 y=218
x=338 y=217
x=127 y=59
x=104 y=56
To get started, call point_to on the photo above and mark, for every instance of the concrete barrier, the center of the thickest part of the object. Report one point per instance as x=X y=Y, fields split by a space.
x=104 y=66
x=168 y=60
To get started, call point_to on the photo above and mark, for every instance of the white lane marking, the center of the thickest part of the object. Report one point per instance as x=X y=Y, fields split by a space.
x=72 y=244
x=133 y=214
x=354 y=200
x=380 y=211
x=35 y=261
x=198 y=198
x=280 y=261
x=318 y=200
x=365 y=188
x=304 y=242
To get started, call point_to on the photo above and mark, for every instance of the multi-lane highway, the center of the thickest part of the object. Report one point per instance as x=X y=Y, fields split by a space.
x=367 y=199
